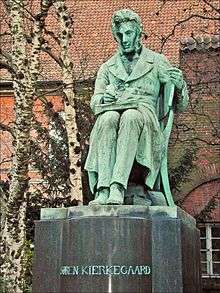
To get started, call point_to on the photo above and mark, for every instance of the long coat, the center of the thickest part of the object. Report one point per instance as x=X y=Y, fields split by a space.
x=143 y=84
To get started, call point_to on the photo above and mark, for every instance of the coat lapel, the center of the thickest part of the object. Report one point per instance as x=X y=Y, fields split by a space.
x=117 y=68
x=144 y=64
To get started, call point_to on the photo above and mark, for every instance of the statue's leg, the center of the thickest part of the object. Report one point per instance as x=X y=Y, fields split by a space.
x=107 y=128
x=130 y=128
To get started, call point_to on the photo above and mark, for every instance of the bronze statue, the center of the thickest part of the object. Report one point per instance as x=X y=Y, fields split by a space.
x=126 y=99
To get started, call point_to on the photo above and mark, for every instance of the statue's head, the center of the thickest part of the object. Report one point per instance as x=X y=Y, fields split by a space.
x=127 y=30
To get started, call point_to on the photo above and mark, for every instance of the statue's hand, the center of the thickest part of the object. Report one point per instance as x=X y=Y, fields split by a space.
x=107 y=98
x=176 y=77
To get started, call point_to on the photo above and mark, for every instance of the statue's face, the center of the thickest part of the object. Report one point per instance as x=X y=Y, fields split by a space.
x=127 y=36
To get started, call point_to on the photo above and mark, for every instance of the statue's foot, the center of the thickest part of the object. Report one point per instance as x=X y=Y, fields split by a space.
x=116 y=194
x=101 y=197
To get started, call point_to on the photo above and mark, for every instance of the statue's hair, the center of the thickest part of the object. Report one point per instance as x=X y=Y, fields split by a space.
x=125 y=15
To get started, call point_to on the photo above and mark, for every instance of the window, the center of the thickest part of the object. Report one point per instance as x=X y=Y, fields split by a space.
x=210 y=249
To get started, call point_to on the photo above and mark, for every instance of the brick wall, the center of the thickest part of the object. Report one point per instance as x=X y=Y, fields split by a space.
x=7 y=118
x=198 y=128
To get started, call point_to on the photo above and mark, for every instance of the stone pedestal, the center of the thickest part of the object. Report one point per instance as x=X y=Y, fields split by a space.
x=116 y=249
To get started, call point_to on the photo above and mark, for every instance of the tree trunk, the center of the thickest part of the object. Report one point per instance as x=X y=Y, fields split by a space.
x=70 y=113
x=24 y=84
x=14 y=229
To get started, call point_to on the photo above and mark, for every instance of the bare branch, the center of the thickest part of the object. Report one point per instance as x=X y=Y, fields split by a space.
x=52 y=34
x=48 y=50
x=212 y=6
x=4 y=34
x=5 y=65
x=5 y=161
x=7 y=128
x=210 y=121
x=165 y=39
x=210 y=143
x=5 y=55
x=52 y=91
x=45 y=48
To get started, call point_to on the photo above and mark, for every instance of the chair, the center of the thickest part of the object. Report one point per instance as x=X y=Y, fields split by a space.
x=165 y=112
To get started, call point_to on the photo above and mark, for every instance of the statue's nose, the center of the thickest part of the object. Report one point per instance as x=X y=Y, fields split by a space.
x=125 y=40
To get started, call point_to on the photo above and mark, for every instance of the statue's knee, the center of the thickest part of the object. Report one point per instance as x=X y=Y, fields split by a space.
x=109 y=119
x=131 y=115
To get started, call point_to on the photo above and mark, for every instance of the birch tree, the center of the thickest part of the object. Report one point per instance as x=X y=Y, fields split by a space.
x=69 y=100
x=23 y=63
x=25 y=75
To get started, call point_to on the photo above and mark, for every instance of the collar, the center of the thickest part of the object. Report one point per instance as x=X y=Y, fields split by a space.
x=143 y=65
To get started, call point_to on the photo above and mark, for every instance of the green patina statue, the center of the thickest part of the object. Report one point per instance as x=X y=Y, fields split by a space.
x=126 y=100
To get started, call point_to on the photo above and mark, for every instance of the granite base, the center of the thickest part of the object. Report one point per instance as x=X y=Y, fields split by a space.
x=116 y=249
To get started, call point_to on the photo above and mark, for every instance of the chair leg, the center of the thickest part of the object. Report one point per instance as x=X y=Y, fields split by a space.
x=165 y=182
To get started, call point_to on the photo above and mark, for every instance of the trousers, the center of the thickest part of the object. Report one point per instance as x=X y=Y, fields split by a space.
x=117 y=146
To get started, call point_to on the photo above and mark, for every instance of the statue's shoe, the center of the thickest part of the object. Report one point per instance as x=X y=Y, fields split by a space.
x=116 y=196
x=101 y=197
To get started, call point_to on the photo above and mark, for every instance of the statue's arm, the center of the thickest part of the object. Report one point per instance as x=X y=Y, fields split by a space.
x=101 y=83
x=181 y=93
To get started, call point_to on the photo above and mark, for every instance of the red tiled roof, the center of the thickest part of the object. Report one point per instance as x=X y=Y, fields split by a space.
x=93 y=43
x=93 y=25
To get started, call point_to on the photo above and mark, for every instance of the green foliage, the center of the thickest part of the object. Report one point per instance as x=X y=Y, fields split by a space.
x=28 y=259
x=205 y=215
x=27 y=264
x=181 y=173
x=85 y=121
x=49 y=155
x=4 y=286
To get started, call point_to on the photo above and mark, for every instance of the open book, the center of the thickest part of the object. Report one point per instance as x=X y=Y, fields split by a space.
x=116 y=106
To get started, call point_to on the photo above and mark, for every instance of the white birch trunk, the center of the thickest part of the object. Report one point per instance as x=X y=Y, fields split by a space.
x=24 y=82
x=70 y=113
x=14 y=229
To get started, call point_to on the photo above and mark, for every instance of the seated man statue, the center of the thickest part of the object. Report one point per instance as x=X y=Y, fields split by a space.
x=127 y=129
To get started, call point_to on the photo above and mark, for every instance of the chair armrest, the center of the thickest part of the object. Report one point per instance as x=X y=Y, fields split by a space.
x=171 y=95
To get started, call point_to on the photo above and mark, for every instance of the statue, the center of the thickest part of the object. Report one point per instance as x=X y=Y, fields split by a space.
x=125 y=100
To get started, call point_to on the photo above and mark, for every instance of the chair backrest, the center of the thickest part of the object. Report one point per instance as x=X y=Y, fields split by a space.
x=165 y=116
